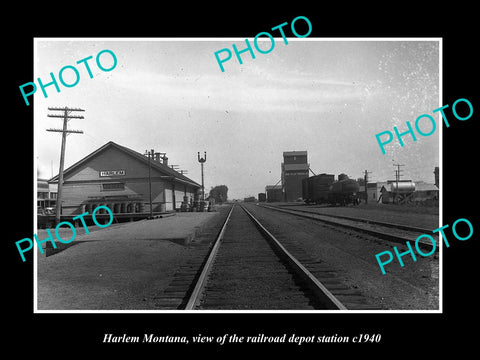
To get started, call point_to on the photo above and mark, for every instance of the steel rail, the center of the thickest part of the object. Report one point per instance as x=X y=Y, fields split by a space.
x=368 y=221
x=379 y=234
x=197 y=291
x=320 y=291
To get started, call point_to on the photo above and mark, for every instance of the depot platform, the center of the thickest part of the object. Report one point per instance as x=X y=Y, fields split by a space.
x=119 y=267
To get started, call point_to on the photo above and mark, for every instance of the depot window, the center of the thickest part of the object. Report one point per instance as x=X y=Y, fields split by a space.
x=113 y=186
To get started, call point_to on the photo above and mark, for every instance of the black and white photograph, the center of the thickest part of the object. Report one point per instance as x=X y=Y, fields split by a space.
x=208 y=181
x=260 y=187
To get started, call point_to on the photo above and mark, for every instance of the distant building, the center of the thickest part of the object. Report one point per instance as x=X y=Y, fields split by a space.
x=294 y=169
x=425 y=191
x=437 y=176
x=374 y=191
x=46 y=194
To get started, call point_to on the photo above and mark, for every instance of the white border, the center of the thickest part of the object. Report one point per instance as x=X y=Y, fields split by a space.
x=440 y=295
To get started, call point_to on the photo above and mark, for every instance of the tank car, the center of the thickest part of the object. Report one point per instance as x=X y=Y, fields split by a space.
x=343 y=192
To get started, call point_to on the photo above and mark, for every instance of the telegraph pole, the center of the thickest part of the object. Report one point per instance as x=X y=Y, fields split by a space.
x=366 y=181
x=397 y=178
x=201 y=161
x=66 y=117
x=150 y=154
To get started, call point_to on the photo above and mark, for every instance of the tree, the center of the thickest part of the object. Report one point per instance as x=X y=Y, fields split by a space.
x=219 y=193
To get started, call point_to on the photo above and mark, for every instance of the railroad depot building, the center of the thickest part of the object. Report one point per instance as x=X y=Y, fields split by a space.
x=120 y=178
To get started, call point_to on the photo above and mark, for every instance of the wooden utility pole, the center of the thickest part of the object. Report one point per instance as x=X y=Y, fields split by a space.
x=366 y=182
x=66 y=116
x=150 y=155
x=397 y=178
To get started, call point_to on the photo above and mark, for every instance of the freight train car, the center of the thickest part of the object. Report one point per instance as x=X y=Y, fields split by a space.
x=262 y=197
x=315 y=189
x=274 y=193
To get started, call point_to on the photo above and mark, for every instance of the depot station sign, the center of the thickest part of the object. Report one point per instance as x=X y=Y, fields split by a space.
x=104 y=173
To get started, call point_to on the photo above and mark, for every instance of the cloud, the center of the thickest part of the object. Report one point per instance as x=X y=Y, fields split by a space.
x=248 y=92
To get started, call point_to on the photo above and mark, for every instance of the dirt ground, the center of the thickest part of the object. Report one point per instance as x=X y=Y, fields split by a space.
x=116 y=268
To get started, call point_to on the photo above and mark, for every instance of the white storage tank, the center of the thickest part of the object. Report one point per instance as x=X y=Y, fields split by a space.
x=403 y=187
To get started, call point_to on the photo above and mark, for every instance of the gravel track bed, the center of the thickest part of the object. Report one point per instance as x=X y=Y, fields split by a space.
x=352 y=255
x=386 y=213
x=247 y=274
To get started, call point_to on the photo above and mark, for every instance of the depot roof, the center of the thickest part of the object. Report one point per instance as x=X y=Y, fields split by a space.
x=155 y=164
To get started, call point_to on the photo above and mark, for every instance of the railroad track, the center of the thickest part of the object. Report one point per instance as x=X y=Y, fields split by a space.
x=388 y=231
x=249 y=269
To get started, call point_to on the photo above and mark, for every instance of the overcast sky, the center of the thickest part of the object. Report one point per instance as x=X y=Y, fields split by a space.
x=329 y=98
